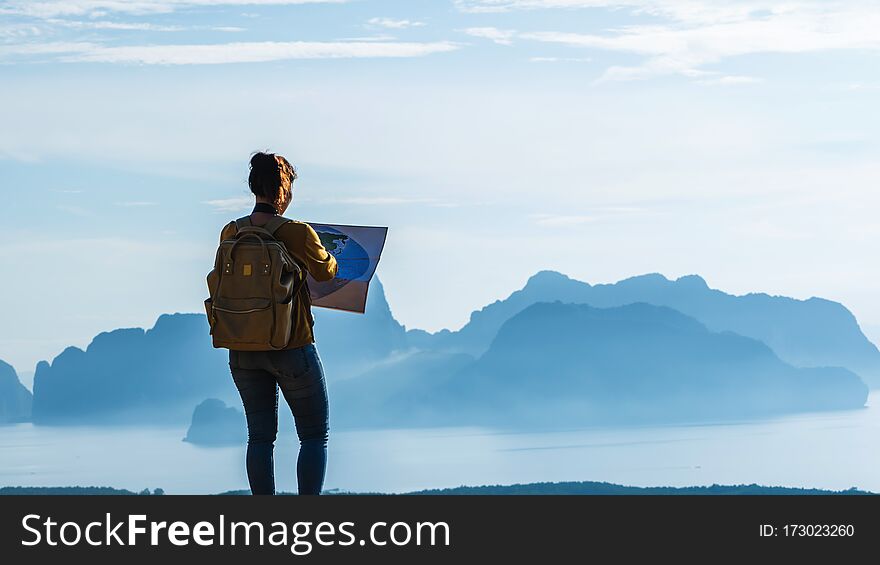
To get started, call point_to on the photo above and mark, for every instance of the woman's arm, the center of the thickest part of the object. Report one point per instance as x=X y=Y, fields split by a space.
x=319 y=262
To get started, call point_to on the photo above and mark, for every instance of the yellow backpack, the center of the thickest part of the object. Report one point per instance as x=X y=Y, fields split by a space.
x=253 y=289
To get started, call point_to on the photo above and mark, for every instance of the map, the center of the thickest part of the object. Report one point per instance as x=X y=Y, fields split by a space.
x=357 y=250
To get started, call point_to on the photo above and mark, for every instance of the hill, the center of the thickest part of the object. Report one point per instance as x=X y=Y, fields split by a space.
x=134 y=375
x=530 y=363
x=558 y=364
x=803 y=333
x=15 y=399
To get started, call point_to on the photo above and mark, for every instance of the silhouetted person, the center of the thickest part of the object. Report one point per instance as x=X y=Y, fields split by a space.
x=296 y=369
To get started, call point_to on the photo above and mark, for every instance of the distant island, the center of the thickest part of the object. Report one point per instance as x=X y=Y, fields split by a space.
x=546 y=488
x=558 y=352
x=215 y=424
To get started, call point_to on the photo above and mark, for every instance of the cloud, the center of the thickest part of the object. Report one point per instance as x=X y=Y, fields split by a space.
x=19 y=31
x=499 y=36
x=125 y=26
x=561 y=220
x=693 y=11
x=240 y=203
x=394 y=24
x=134 y=26
x=560 y=59
x=383 y=37
x=382 y=200
x=598 y=213
x=74 y=210
x=691 y=34
x=862 y=87
x=495 y=6
x=730 y=80
x=239 y=52
x=236 y=204
x=68 y=8
x=50 y=48
x=51 y=27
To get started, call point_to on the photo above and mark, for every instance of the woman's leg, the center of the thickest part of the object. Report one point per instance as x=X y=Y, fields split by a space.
x=305 y=390
x=259 y=395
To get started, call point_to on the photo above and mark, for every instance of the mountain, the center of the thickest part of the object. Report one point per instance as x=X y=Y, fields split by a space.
x=133 y=376
x=804 y=333
x=562 y=364
x=15 y=399
x=215 y=424
x=348 y=342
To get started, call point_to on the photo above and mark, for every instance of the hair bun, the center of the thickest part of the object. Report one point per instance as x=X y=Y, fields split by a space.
x=271 y=177
x=261 y=159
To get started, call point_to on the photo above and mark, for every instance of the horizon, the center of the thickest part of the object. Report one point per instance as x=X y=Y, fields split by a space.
x=495 y=138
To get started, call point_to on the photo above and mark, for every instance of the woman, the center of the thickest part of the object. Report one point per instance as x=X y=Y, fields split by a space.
x=297 y=368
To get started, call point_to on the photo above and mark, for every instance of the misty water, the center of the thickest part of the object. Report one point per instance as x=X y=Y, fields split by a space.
x=830 y=450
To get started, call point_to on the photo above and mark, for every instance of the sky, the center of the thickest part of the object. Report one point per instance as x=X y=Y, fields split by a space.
x=495 y=138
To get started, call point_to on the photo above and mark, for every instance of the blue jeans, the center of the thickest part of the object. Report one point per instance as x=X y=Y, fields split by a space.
x=299 y=373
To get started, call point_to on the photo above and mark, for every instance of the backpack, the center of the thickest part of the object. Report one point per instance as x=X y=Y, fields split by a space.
x=253 y=289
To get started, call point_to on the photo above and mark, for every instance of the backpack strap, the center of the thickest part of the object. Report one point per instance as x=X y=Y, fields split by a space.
x=243 y=222
x=274 y=223
x=271 y=226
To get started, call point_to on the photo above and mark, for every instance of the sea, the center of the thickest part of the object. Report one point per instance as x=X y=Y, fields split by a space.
x=827 y=450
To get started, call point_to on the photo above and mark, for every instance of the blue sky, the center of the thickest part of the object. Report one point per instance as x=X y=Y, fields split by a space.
x=600 y=138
